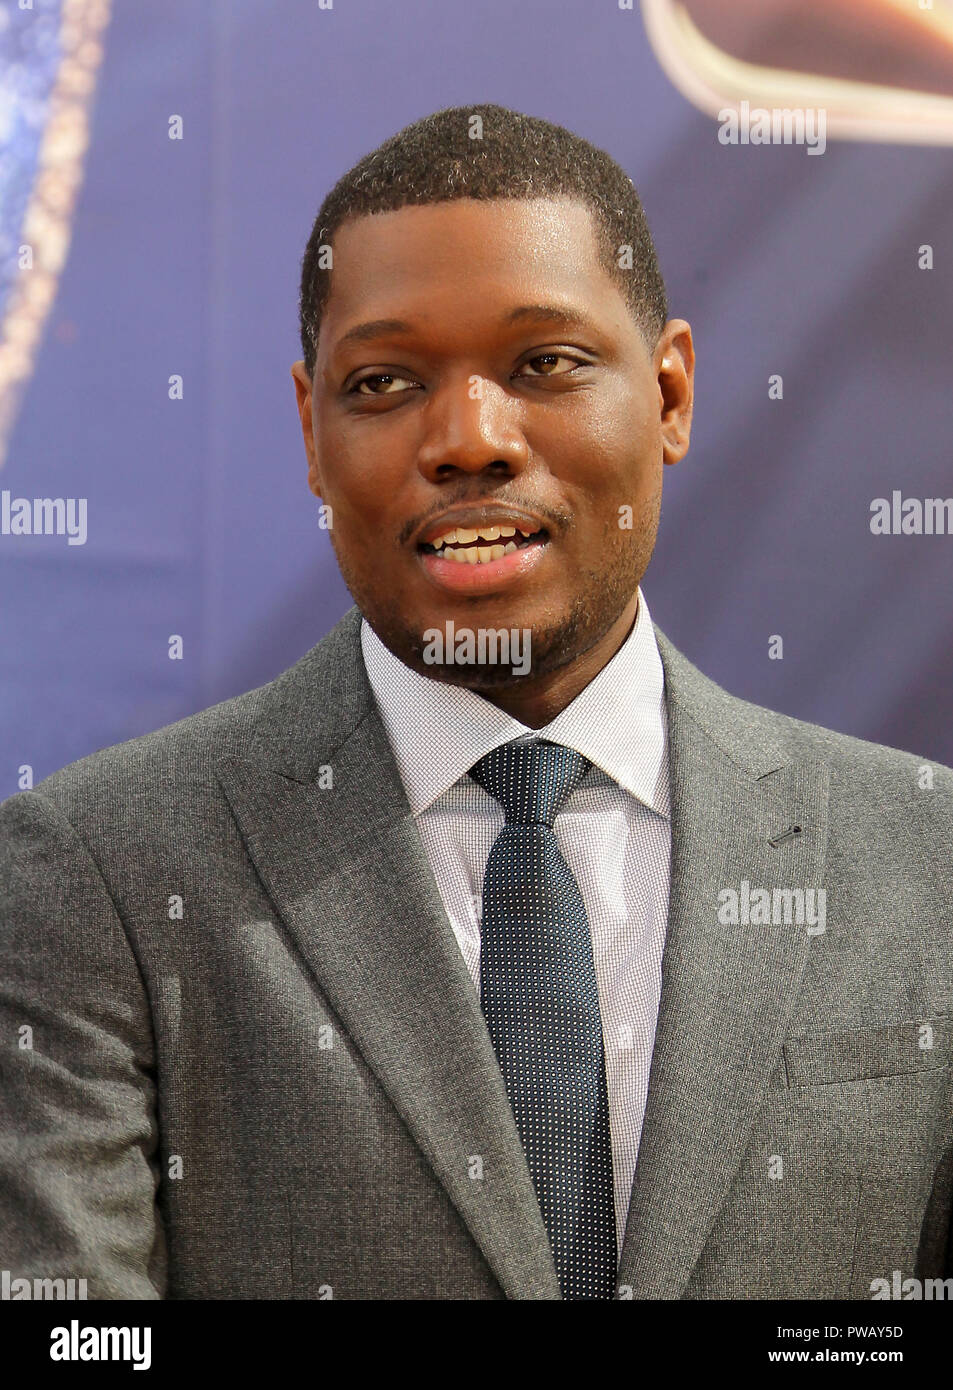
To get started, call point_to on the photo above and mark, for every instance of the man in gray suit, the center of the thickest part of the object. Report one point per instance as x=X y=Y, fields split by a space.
x=491 y=951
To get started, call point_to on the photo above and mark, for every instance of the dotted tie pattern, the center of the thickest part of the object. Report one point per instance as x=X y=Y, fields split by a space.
x=541 y=1004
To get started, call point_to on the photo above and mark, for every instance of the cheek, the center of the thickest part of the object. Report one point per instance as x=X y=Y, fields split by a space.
x=357 y=529
x=347 y=473
x=633 y=430
x=614 y=437
x=624 y=471
x=364 y=463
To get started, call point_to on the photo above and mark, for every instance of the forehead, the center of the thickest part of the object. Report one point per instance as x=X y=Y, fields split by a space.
x=464 y=254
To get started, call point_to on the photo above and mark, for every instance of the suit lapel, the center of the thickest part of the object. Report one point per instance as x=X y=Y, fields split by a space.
x=727 y=990
x=346 y=870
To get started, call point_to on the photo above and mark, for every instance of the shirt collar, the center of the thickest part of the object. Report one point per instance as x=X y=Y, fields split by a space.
x=438 y=731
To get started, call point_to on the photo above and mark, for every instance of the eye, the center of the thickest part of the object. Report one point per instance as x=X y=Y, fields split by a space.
x=389 y=383
x=549 y=361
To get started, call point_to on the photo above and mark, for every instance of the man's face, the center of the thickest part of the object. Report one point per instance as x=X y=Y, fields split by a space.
x=477 y=367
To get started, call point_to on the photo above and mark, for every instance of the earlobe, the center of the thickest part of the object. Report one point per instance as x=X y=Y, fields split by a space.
x=314 y=474
x=315 y=481
x=674 y=450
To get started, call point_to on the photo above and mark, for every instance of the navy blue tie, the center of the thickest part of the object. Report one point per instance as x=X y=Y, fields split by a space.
x=541 y=1004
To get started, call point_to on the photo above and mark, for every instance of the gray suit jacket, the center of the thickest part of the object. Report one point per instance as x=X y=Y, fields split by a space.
x=241 y=1055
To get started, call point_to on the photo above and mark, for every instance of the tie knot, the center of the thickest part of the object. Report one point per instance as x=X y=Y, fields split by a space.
x=531 y=779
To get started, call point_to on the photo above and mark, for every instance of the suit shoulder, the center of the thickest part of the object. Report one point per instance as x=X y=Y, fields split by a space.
x=183 y=755
x=860 y=767
x=860 y=770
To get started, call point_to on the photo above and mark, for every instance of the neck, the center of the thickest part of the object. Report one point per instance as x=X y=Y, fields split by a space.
x=536 y=701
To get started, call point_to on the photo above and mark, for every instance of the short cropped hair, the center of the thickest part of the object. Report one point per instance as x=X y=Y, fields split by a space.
x=437 y=159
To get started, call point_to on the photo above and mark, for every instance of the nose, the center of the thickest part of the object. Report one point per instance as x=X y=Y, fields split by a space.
x=470 y=424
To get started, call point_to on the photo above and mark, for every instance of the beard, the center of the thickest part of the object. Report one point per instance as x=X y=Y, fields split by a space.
x=557 y=638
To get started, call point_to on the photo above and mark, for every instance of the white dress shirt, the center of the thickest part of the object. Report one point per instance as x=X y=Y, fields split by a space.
x=614 y=832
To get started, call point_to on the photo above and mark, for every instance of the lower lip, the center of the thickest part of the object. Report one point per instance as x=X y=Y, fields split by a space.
x=460 y=577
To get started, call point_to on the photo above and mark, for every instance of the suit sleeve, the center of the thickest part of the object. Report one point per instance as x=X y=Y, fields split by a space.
x=78 y=1130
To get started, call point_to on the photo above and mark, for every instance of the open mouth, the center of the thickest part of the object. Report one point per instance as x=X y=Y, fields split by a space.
x=481 y=547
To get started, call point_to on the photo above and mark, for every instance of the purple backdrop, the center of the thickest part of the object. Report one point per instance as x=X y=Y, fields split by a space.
x=185 y=260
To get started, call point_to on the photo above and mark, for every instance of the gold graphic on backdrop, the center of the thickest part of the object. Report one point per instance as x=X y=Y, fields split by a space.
x=47 y=220
x=881 y=69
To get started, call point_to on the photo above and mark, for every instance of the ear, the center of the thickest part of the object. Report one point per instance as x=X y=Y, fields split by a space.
x=303 y=390
x=674 y=362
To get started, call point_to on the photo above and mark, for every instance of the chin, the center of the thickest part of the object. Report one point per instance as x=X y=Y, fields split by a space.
x=558 y=635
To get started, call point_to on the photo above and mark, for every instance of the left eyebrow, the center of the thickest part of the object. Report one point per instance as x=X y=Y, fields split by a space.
x=551 y=313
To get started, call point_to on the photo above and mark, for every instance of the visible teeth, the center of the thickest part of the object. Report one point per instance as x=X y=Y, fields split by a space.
x=479 y=554
x=463 y=536
x=452 y=543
